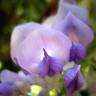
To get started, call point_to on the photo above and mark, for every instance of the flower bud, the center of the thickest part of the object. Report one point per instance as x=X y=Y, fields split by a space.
x=29 y=50
x=77 y=52
x=73 y=80
x=7 y=89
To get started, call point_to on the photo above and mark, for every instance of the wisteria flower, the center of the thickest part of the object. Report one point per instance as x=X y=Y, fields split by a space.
x=64 y=7
x=41 y=52
x=77 y=52
x=7 y=89
x=69 y=1
x=73 y=80
x=28 y=51
x=20 y=84
x=76 y=30
x=13 y=84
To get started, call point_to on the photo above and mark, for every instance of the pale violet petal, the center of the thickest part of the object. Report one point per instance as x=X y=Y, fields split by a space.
x=8 y=76
x=70 y=74
x=77 y=30
x=73 y=80
x=68 y=1
x=77 y=52
x=65 y=8
x=19 y=34
x=30 y=53
x=7 y=88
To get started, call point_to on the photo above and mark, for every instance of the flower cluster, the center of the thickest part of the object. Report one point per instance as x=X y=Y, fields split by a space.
x=44 y=50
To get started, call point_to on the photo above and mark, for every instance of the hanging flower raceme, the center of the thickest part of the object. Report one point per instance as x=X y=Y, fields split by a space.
x=66 y=6
x=73 y=80
x=42 y=51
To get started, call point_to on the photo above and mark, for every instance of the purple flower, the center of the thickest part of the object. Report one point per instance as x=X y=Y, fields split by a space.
x=7 y=89
x=77 y=30
x=27 y=45
x=49 y=66
x=77 y=52
x=13 y=83
x=65 y=8
x=68 y=1
x=19 y=35
x=73 y=80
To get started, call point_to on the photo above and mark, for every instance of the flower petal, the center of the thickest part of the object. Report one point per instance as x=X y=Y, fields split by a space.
x=49 y=66
x=76 y=29
x=73 y=79
x=65 y=8
x=70 y=75
x=77 y=52
x=8 y=76
x=7 y=89
x=29 y=52
x=49 y=21
x=19 y=34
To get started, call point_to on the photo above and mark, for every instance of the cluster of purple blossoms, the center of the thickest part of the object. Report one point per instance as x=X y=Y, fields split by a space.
x=43 y=50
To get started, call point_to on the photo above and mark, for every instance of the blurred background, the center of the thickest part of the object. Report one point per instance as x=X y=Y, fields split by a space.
x=14 y=12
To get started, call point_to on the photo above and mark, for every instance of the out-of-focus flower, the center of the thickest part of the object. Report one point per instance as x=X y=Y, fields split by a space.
x=20 y=84
x=43 y=51
x=7 y=89
x=49 y=21
x=77 y=30
x=77 y=52
x=64 y=7
x=69 y=1
x=28 y=51
x=13 y=84
x=73 y=80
